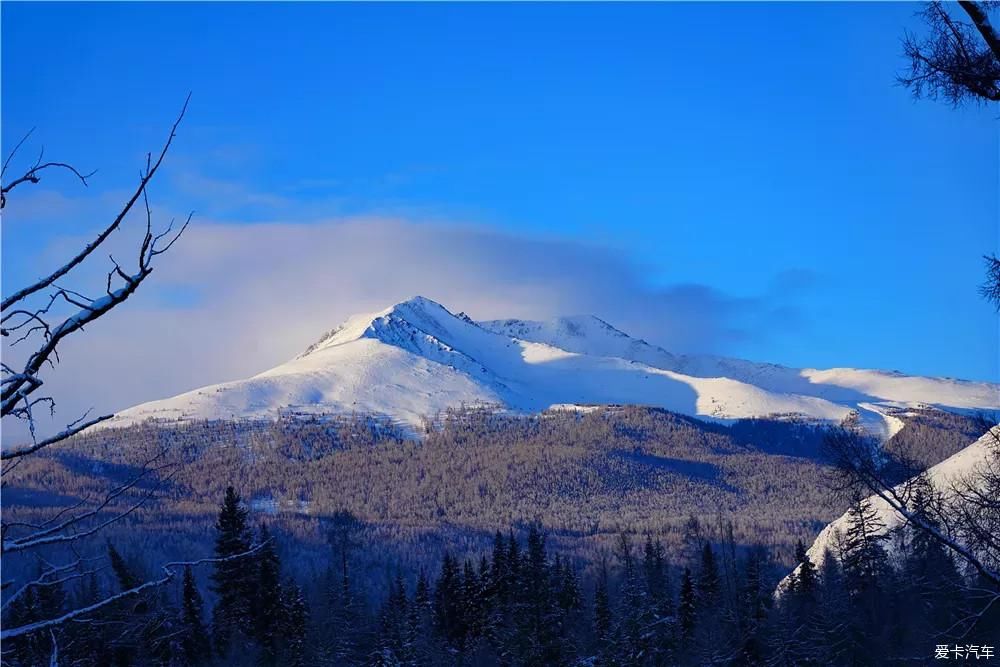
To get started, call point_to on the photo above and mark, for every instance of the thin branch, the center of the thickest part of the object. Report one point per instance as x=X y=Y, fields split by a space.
x=6 y=455
x=10 y=157
x=169 y=574
x=102 y=237
x=55 y=534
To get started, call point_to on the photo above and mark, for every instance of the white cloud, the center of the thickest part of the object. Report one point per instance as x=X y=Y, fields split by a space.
x=233 y=300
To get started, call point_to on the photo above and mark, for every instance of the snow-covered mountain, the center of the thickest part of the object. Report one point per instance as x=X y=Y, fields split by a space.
x=416 y=358
x=954 y=472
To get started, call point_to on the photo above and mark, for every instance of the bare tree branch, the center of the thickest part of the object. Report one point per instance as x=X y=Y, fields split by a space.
x=102 y=237
x=169 y=574
x=58 y=533
x=853 y=456
x=983 y=25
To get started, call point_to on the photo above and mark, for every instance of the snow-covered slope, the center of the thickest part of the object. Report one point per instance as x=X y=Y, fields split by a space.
x=945 y=476
x=416 y=358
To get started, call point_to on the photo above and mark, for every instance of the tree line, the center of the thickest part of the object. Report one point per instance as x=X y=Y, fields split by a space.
x=875 y=597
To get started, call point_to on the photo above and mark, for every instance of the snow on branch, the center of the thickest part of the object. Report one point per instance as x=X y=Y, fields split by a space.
x=855 y=457
x=71 y=528
x=168 y=575
x=19 y=386
x=45 y=579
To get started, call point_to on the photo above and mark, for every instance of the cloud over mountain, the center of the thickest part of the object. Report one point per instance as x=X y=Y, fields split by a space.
x=231 y=300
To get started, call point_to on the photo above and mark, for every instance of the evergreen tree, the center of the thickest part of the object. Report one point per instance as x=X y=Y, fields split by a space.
x=500 y=572
x=862 y=554
x=930 y=583
x=708 y=578
x=126 y=578
x=294 y=624
x=659 y=612
x=865 y=573
x=798 y=623
x=89 y=645
x=754 y=599
x=421 y=623
x=34 y=648
x=267 y=608
x=828 y=631
x=194 y=641
x=472 y=600
x=569 y=597
x=538 y=621
x=687 y=605
x=631 y=636
x=602 y=607
x=393 y=620
x=347 y=612
x=232 y=578
x=806 y=577
x=141 y=627
x=449 y=618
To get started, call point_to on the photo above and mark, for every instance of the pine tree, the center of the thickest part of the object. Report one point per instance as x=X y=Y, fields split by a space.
x=449 y=619
x=513 y=563
x=687 y=605
x=393 y=620
x=266 y=607
x=126 y=578
x=798 y=622
x=753 y=610
x=34 y=648
x=708 y=578
x=657 y=578
x=862 y=555
x=538 y=621
x=602 y=606
x=658 y=613
x=500 y=572
x=569 y=597
x=631 y=637
x=346 y=606
x=194 y=642
x=136 y=614
x=931 y=584
x=828 y=631
x=294 y=624
x=420 y=627
x=90 y=644
x=232 y=578
x=806 y=577
x=472 y=601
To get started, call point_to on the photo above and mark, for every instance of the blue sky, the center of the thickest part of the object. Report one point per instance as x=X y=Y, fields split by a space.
x=754 y=161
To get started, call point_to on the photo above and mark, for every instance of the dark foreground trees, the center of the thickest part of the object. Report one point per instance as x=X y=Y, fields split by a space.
x=874 y=599
x=951 y=524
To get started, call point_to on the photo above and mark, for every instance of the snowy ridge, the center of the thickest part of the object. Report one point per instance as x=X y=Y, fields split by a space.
x=416 y=358
x=943 y=477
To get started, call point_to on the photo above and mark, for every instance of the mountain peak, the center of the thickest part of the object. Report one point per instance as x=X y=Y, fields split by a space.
x=417 y=311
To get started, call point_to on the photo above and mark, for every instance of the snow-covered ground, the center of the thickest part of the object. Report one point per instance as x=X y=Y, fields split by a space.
x=416 y=358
